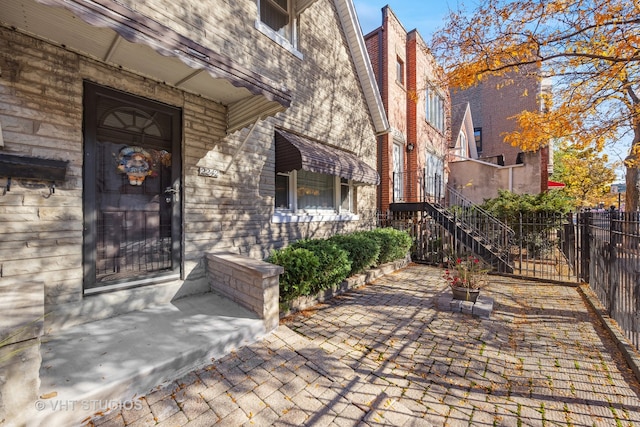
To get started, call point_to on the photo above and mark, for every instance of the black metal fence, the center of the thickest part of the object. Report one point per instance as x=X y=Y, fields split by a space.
x=417 y=186
x=608 y=258
x=429 y=238
x=542 y=245
x=599 y=248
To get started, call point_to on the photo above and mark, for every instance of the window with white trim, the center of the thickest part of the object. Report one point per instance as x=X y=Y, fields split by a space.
x=303 y=192
x=434 y=109
x=461 y=149
x=398 y=175
x=315 y=191
x=283 y=192
x=400 y=71
x=348 y=196
x=277 y=20
x=434 y=176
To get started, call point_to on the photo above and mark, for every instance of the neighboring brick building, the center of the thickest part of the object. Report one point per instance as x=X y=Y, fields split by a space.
x=499 y=165
x=411 y=157
x=140 y=135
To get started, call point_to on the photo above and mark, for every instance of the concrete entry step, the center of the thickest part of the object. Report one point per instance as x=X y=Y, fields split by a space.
x=91 y=367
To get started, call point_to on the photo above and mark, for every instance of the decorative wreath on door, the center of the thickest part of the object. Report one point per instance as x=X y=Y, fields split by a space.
x=136 y=163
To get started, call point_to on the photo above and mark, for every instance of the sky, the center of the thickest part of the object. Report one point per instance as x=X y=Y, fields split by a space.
x=424 y=15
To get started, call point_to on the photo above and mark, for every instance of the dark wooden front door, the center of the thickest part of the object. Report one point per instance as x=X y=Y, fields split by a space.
x=132 y=188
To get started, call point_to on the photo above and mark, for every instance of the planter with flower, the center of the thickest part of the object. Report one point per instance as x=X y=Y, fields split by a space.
x=466 y=276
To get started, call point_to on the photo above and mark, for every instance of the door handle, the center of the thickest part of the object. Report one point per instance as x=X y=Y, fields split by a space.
x=171 y=193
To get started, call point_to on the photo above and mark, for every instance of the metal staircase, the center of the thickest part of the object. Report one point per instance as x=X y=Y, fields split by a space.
x=474 y=228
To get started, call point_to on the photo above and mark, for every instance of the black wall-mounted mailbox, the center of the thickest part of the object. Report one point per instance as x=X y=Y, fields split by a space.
x=12 y=166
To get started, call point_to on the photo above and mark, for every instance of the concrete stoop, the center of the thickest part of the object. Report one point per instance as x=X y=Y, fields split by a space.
x=96 y=366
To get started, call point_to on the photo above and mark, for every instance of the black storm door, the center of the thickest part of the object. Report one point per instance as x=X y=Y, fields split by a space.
x=132 y=224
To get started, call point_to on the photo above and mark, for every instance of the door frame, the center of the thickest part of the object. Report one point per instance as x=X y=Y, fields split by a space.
x=89 y=177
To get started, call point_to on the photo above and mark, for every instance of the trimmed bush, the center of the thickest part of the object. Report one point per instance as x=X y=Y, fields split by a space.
x=334 y=262
x=313 y=265
x=394 y=244
x=363 y=250
x=301 y=268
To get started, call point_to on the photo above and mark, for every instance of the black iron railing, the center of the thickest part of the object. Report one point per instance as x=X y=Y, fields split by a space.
x=491 y=233
x=417 y=187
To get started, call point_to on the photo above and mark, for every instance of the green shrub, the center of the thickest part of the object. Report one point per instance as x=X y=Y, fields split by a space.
x=508 y=206
x=313 y=265
x=362 y=249
x=300 y=271
x=334 y=262
x=394 y=244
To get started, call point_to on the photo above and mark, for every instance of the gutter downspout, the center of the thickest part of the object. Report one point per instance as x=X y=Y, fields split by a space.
x=381 y=87
x=511 y=179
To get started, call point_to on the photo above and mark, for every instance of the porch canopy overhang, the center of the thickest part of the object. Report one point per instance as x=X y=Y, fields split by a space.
x=294 y=152
x=115 y=34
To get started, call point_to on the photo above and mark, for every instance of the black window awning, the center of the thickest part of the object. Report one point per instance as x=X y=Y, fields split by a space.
x=294 y=152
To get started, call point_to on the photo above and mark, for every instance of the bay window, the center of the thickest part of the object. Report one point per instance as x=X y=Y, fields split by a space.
x=434 y=109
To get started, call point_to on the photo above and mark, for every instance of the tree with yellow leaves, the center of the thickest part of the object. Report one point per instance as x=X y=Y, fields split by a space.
x=586 y=174
x=588 y=49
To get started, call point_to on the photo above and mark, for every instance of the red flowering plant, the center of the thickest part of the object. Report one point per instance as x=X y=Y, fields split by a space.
x=466 y=272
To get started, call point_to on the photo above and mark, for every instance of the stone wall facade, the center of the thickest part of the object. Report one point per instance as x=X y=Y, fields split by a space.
x=42 y=222
x=41 y=113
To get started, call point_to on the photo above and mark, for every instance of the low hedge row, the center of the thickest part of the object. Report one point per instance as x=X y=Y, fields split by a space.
x=313 y=265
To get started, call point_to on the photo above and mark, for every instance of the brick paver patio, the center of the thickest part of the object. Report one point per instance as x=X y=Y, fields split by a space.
x=391 y=353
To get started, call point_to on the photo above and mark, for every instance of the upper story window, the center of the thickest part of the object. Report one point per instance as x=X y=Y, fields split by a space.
x=278 y=21
x=400 y=71
x=275 y=14
x=434 y=109
x=477 y=134
x=461 y=150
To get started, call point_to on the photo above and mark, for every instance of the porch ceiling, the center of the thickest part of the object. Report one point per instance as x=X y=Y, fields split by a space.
x=109 y=32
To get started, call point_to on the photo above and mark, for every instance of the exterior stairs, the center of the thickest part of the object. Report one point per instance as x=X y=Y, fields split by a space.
x=471 y=226
x=479 y=232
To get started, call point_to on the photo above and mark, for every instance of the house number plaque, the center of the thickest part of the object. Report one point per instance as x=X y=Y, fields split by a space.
x=212 y=173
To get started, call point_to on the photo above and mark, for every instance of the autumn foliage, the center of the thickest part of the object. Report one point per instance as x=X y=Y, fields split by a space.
x=588 y=50
x=586 y=175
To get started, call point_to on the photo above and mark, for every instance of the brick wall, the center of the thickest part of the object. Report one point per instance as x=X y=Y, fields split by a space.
x=493 y=103
x=404 y=104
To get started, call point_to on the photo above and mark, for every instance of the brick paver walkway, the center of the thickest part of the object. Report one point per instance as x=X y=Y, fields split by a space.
x=392 y=354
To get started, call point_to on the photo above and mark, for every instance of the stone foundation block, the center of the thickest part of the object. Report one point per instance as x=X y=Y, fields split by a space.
x=483 y=307
x=467 y=307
